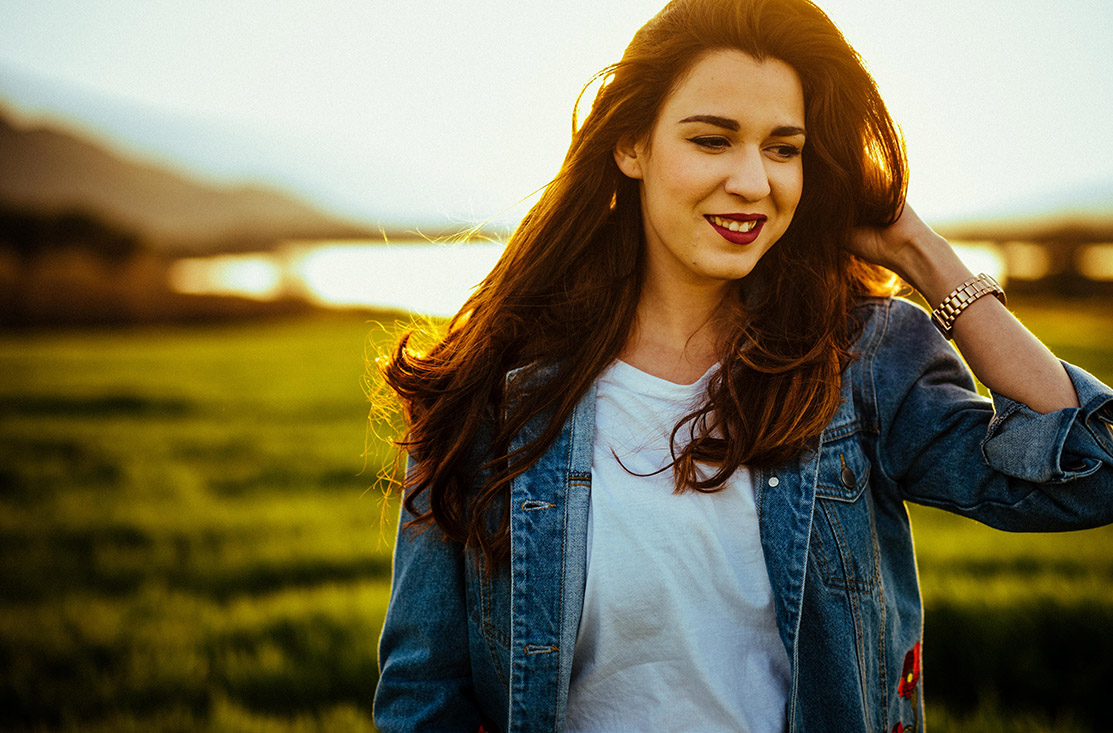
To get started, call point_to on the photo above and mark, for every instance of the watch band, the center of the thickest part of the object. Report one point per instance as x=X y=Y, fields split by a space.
x=960 y=299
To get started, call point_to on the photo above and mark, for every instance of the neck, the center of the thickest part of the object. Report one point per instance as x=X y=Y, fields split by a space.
x=677 y=333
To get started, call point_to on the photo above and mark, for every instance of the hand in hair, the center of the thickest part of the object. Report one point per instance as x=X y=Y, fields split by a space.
x=900 y=246
x=1001 y=352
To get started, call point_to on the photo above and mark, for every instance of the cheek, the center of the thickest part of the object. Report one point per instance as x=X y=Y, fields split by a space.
x=679 y=177
x=789 y=187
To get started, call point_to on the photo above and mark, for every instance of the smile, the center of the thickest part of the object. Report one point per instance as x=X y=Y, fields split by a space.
x=735 y=225
x=737 y=228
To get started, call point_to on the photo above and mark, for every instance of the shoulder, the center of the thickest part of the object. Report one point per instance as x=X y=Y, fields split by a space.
x=899 y=352
x=897 y=346
x=884 y=323
x=876 y=313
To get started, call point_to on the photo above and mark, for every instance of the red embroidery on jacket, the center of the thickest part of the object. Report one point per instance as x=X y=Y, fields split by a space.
x=909 y=678
x=910 y=673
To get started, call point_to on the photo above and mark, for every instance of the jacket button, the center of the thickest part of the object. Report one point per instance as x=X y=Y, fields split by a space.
x=847 y=477
x=773 y=480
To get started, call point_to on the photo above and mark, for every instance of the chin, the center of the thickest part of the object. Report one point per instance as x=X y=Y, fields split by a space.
x=734 y=271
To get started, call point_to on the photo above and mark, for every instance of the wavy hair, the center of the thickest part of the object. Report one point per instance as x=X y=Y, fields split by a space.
x=560 y=303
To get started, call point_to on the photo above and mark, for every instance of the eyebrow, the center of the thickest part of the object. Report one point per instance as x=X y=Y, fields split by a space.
x=728 y=124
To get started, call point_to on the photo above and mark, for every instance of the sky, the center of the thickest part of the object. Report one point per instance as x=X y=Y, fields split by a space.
x=424 y=110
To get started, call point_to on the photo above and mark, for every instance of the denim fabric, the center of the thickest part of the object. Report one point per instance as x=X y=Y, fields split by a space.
x=460 y=649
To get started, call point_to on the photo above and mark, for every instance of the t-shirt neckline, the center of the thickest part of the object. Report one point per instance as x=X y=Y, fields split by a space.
x=630 y=375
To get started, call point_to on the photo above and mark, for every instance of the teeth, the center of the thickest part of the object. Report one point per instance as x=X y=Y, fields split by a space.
x=734 y=226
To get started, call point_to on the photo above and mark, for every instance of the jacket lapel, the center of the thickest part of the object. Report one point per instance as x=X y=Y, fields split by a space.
x=548 y=542
x=786 y=500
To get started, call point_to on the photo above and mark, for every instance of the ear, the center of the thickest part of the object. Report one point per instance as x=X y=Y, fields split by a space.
x=629 y=155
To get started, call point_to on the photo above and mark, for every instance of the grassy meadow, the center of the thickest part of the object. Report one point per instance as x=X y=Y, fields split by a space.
x=192 y=537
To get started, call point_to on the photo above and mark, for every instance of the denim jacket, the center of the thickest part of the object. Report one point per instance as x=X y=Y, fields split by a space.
x=461 y=649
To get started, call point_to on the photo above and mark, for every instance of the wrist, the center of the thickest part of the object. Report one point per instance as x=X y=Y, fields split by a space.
x=930 y=265
x=955 y=304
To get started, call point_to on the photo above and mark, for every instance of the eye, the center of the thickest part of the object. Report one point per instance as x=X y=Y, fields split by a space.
x=710 y=142
x=784 y=151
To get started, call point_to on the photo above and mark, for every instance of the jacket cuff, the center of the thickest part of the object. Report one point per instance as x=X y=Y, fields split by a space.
x=1059 y=446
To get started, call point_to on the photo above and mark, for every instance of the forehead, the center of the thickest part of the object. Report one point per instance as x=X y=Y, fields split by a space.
x=734 y=84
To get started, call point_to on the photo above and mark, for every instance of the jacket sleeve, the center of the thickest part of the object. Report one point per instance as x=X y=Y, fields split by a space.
x=425 y=680
x=998 y=462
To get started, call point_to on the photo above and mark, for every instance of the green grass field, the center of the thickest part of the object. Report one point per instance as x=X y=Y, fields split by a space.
x=192 y=538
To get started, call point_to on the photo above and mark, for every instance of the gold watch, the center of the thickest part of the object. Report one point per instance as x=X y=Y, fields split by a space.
x=960 y=299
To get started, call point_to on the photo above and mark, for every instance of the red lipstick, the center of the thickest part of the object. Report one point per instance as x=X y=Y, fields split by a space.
x=743 y=237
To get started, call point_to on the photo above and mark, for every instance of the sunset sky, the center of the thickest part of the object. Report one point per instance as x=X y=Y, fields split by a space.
x=424 y=110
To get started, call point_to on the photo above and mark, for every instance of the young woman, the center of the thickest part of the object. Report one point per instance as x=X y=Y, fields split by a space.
x=659 y=460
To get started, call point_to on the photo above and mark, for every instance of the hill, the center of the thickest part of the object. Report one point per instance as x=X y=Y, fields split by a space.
x=47 y=169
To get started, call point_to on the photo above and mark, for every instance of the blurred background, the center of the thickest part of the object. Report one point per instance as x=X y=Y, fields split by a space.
x=212 y=215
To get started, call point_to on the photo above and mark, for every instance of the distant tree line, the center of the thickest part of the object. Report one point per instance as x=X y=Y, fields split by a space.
x=30 y=234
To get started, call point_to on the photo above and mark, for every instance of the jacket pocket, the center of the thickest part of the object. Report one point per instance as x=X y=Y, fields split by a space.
x=844 y=538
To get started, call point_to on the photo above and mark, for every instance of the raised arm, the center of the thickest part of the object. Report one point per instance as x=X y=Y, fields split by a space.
x=1003 y=354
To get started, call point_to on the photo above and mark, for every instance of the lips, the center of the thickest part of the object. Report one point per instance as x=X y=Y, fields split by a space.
x=737 y=228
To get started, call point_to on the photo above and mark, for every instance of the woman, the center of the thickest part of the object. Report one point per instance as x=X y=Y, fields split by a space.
x=658 y=462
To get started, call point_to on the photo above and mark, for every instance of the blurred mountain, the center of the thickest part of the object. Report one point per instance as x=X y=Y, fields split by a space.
x=1083 y=214
x=45 y=168
x=195 y=146
x=321 y=171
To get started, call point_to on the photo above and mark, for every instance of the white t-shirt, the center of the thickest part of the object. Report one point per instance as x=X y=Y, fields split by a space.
x=678 y=630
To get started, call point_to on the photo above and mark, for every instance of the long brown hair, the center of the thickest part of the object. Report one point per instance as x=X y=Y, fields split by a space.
x=563 y=295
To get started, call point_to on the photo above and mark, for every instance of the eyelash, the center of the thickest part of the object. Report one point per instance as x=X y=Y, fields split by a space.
x=787 y=151
x=715 y=143
x=711 y=142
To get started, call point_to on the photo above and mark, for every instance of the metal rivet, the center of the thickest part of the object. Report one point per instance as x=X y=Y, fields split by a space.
x=773 y=480
x=846 y=474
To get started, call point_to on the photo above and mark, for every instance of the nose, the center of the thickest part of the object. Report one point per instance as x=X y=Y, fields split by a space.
x=748 y=177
